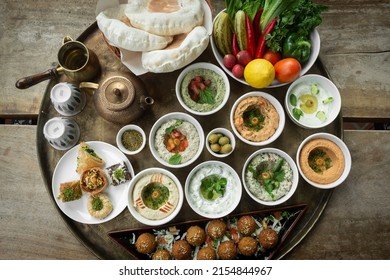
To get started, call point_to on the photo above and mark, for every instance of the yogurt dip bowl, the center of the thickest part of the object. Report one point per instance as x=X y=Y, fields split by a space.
x=176 y=140
x=155 y=196
x=200 y=74
x=201 y=190
x=270 y=176
x=313 y=101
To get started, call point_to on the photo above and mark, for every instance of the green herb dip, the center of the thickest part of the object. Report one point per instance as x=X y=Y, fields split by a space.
x=217 y=87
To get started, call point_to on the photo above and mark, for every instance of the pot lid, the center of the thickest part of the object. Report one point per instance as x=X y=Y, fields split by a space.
x=117 y=93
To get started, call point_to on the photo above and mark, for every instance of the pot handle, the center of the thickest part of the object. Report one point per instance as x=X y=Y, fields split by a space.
x=29 y=81
x=88 y=85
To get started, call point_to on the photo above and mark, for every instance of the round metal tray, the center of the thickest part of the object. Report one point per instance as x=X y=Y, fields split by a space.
x=161 y=87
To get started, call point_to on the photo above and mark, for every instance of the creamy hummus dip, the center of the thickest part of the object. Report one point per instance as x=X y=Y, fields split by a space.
x=219 y=204
x=180 y=155
x=256 y=119
x=155 y=196
x=322 y=161
x=217 y=87
x=264 y=178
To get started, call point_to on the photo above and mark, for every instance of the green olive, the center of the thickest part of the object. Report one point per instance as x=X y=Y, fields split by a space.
x=213 y=138
x=227 y=148
x=223 y=140
x=215 y=148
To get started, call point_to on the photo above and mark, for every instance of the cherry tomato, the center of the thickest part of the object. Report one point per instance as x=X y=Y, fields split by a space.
x=287 y=70
x=272 y=56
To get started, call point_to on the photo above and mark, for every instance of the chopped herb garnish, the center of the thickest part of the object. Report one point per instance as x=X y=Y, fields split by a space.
x=269 y=175
x=314 y=89
x=97 y=203
x=213 y=187
x=119 y=174
x=253 y=119
x=319 y=161
x=327 y=100
x=154 y=195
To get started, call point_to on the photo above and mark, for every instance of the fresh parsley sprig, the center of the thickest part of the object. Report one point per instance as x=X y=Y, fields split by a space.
x=213 y=187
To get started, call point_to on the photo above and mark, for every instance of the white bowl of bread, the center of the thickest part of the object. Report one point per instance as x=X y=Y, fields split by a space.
x=154 y=37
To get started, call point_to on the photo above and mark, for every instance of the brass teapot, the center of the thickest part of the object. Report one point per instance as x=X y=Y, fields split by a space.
x=120 y=97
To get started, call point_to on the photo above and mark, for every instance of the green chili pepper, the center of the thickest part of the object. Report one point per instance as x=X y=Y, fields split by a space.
x=298 y=47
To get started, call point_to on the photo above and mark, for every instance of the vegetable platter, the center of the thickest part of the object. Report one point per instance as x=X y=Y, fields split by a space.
x=275 y=41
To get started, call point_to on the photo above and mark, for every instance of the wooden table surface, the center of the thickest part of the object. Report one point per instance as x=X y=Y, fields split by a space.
x=355 y=41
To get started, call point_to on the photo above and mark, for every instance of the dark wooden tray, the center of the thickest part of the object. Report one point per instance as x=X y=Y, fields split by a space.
x=125 y=238
x=161 y=87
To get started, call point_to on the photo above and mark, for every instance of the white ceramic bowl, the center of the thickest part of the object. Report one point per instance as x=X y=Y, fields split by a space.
x=295 y=176
x=275 y=103
x=223 y=205
x=130 y=204
x=343 y=147
x=224 y=132
x=315 y=50
x=165 y=119
x=206 y=66
x=327 y=89
x=119 y=139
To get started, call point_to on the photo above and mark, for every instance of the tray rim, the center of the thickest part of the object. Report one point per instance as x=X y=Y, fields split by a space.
x=96 y=250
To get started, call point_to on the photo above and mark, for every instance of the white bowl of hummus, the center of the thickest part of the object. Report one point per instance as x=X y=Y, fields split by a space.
x=176 y=140
x=155 y=196
x=257 y=118
x=323 y=160
x=313 y=101
x=270 y=176
x=213 y=189
x=315 y=51
x=202 y=88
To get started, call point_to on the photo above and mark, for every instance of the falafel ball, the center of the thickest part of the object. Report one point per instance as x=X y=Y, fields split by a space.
x=195 y=236
x=206 y=253
x=246 y=225
x=146 y=243
x=247 y=246
x=161 y=254
x=181 y=250
x=227 y=250
x=216 y=229
x=268 y=238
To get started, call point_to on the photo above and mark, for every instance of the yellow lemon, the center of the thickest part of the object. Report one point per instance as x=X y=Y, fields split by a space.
x=259 y=73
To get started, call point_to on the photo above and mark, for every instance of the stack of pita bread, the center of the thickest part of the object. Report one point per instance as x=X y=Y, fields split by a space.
x=169 y=34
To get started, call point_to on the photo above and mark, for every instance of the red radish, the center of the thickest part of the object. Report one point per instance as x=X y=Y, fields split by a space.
x=272 y=56
x=229 y=61
x=238 y=71
x=244 y=57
